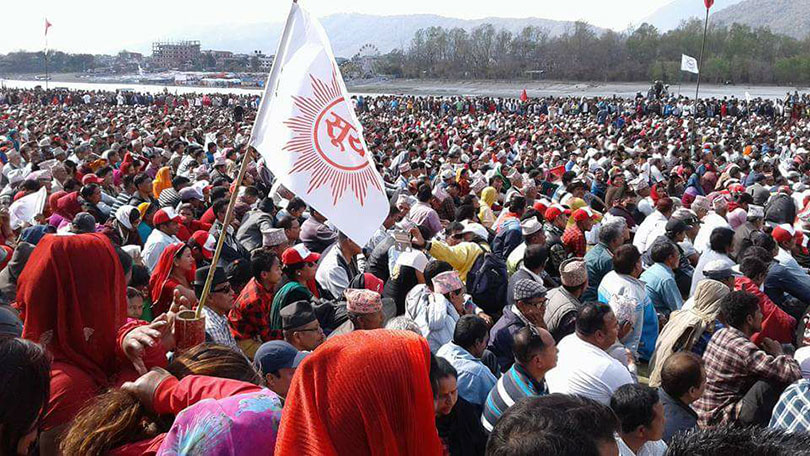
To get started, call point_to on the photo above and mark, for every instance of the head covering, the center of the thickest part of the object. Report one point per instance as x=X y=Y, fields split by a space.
x=737 y=217
x=686 y=326
x=783 y=233
x=296 y=315
x=528 y=289
x=582 y=214
x=675 y=226
x=405 y=167
x=446 y=282
x=755 y=211
x=362 y=301
x=273 y=237
x=68 y=206
x=378 y=402
x=700 y=202
x=277 y=354
x=226 y=426
x=299 y=253
x=191 y=193
x=165 y=215
x=488 y=196
x=802 y=356
x=143 y=208
x=202 y=275
x=123 y=215
x=10 y=323
x=573 y=272
x=367 y=281
x=554 y=211
x=10 y=274
x=475 y=228
x=414 y=259
x=33 y=234
x=163 y=270
x=206 y=241
x=72 y=294
x=530 y=226
x=163 y=180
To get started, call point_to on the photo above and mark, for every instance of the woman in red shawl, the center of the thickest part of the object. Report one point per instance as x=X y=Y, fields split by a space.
x=379 y=402
x=72 y=295
x=174 y=271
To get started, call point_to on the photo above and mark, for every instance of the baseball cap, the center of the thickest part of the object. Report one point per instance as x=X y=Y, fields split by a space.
x=277 y=354
x=584 y=213
x=91 y=179
x=299 y=254
x=676 y=226
x=165 y=215
x=206 y=242
x=190 y=193
x=554 y=211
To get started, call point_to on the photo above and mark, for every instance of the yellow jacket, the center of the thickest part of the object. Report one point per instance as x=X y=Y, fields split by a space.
x=461 y=256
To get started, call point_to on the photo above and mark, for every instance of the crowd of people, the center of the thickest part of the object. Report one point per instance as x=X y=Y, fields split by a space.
x=590 y=276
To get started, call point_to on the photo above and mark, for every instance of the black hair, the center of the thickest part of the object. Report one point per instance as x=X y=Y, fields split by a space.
x=295 y=204
x=732 y=439
x=26 y=380
x=556 y=424
x=721 y=239
x=140 y=276
x=140 y=179
x=465 y=212
x=101 y=172
x=239 y=273
x=30 y=185
x=124 y=258
x=752 y=267
x=444 y=369
x=434 y=268
x=453 y=227
x=179 y=181
x=535 y=256
x=71 y=185
x=760 y=239
x=128 y=180
x=634 y=405
x=591 y=318
x=219 y=205
x=737 y=306
x=517 y=204
x=661 y=251
x=470 y=329
x=88 y=190
x=286 y=222
x=424 y=194
x=218 y=192
x=625 y=259
x=680 y=372
x=526 y=344
x=251 y=191
x=261 y=261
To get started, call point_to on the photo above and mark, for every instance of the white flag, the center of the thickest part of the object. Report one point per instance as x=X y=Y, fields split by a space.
x=747 y=97
x=307 y=131
x=689 y=64
x=25 y=209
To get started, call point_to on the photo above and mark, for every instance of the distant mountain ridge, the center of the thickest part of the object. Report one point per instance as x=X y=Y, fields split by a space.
x=787 y=17
x=349 y=32
x=673 y=13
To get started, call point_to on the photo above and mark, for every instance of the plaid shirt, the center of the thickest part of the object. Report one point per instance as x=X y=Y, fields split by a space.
x=574 y=241
x=792 y=412
x=733 y=365
x=250 y=316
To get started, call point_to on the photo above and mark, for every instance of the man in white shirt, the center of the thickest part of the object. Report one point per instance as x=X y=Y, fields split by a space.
x=338 y=266
x=653 y=225
x=584 y=367
x=166 y=223
x=714 y=219
x=641 y=421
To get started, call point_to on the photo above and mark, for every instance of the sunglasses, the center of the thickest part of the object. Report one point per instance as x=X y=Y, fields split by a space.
x=225 y=289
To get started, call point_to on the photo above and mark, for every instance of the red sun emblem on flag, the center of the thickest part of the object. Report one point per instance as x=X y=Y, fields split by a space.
x=327 y=145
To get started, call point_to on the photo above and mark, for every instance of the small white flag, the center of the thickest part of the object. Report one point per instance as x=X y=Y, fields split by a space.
x=689 y=64
x=308 y=134
x=747 y=97
x=25 y=209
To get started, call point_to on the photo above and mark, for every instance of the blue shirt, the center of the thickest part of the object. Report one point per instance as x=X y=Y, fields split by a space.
x=475 y=380
x=515 y=384
x=662 y=288
x=792 y=412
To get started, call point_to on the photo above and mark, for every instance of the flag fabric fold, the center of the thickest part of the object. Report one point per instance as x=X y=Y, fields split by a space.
x=309 y=136
x=708 y=3
x=25 y=209
x=689 y=64
x=47 y=26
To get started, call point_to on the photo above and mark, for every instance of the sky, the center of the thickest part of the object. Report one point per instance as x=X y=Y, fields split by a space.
x=96 y=26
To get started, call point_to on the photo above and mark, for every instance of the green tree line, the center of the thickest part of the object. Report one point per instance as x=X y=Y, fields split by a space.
x=34 y=62
x=737 y=54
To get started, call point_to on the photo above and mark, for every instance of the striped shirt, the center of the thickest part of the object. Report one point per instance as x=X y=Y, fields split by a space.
x=514 y=385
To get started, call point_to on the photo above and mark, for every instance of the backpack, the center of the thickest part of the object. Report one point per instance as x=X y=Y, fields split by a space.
x=488 y=281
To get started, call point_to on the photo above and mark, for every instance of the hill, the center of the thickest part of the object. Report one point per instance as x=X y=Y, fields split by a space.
x=672 y=14
x=349 y=32
x=787 y=17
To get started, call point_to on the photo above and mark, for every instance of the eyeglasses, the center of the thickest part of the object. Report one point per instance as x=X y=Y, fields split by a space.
x=318 y=329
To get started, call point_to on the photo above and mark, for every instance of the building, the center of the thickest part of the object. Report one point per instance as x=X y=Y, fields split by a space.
x=175 y=54
x=127 y=56
x=265 y=61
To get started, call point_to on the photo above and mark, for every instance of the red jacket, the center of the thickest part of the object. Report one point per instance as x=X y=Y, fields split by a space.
x=776 y=323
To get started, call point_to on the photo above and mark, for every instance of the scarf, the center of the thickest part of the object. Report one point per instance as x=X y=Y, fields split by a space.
x=72 y=294
x=379 y=402
x=68 y=206
x=163 y=270
x=163 y=180
x=686 y=326
x=123 y=215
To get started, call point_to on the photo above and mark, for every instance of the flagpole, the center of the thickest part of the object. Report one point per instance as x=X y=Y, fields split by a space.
x=46 y=59
x=702 y=49
x=248 y=152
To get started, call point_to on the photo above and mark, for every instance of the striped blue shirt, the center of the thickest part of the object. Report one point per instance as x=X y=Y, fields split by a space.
x=514 y=385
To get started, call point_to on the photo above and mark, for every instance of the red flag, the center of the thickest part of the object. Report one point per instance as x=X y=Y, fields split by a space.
x=47 y=26
x=708 y=3
x=555 y=174
x=525 y=97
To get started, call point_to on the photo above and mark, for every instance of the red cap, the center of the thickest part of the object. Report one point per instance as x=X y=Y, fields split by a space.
x=554 y=211
x=165 y=215
x=91 y=179
x=539 y=207
x=583 y=214
x=299 y=254
x=783 y=233
x=206 y=242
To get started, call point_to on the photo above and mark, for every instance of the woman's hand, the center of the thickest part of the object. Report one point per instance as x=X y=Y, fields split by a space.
x=144 y=387
x=140 y=338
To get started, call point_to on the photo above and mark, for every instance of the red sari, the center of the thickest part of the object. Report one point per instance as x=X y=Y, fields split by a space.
x=161 y=283
x=378 y=402
x=72 y=295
